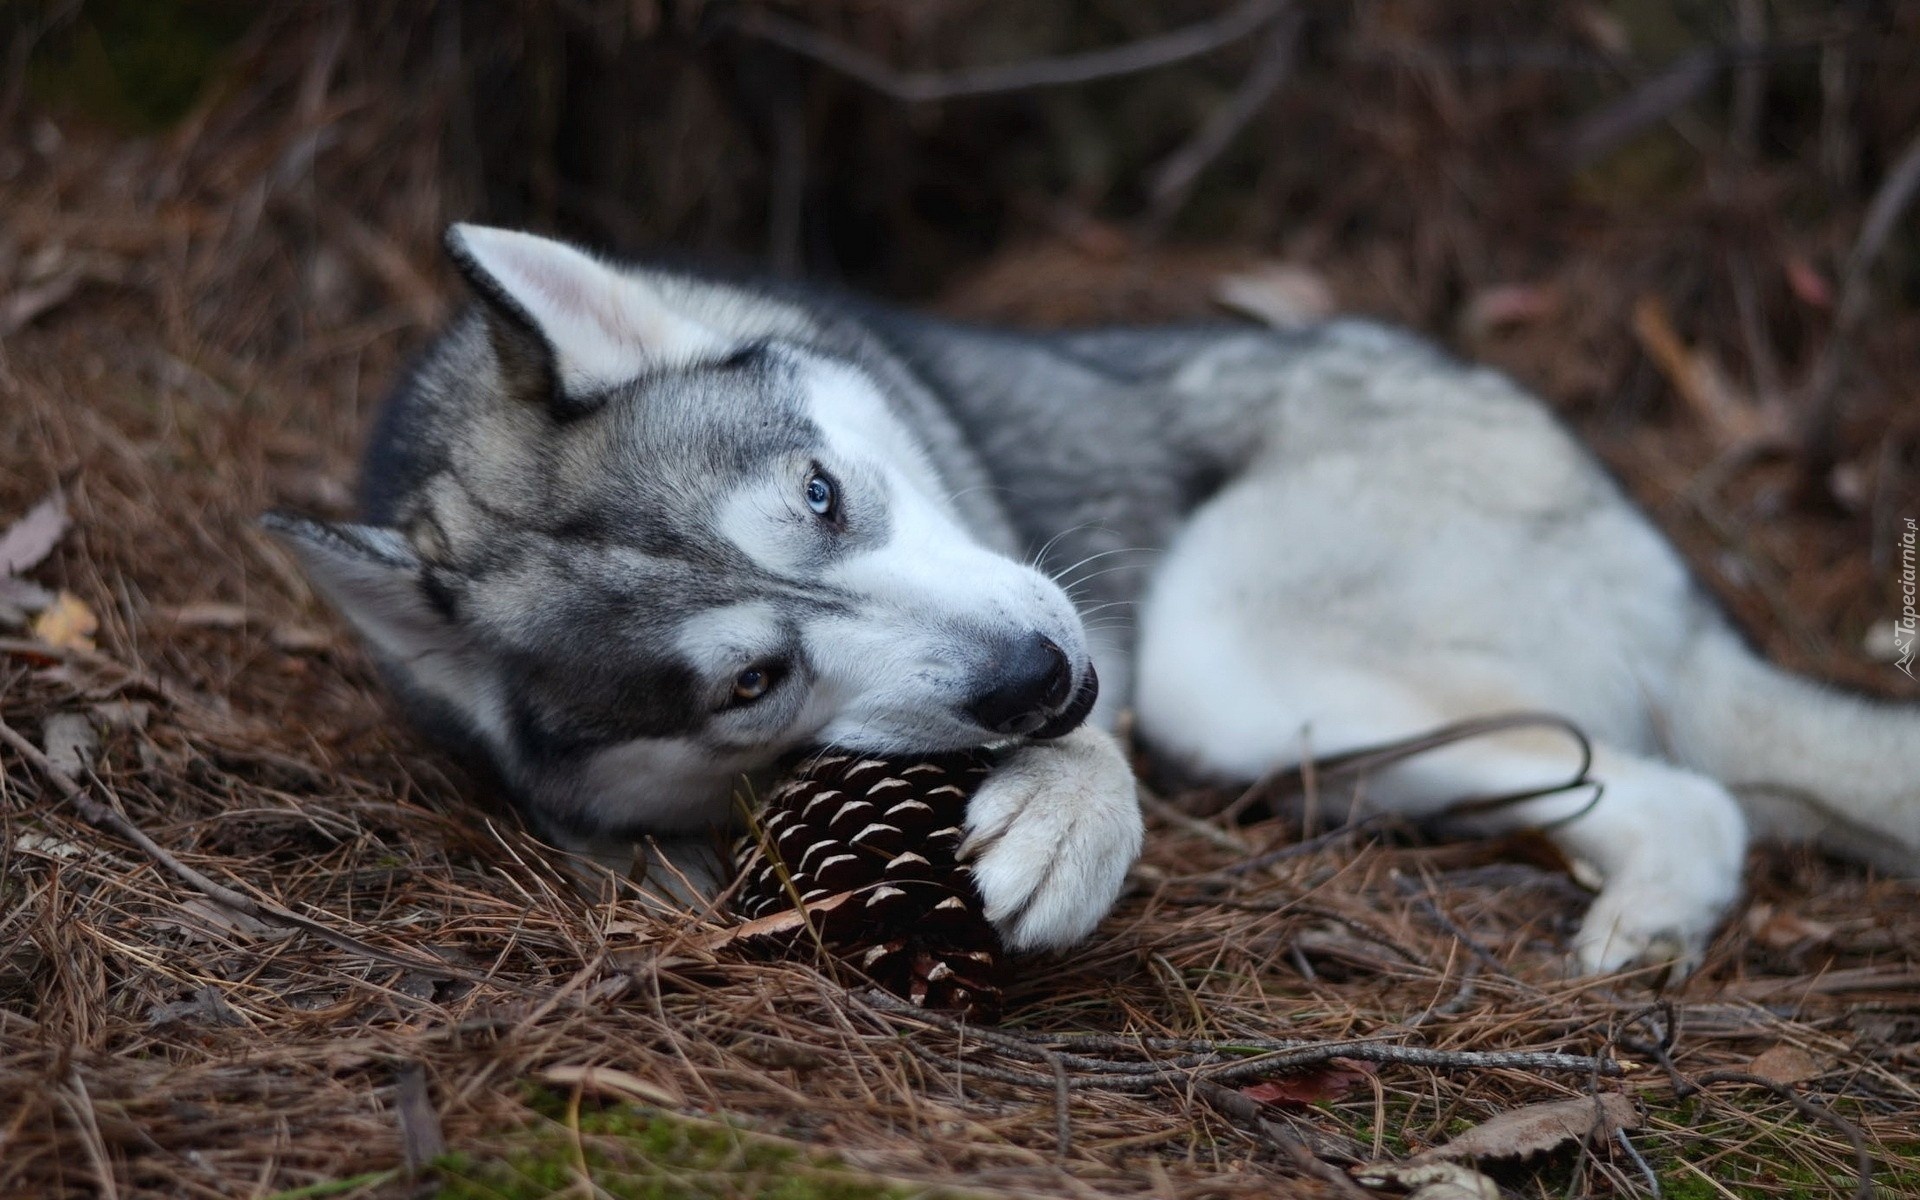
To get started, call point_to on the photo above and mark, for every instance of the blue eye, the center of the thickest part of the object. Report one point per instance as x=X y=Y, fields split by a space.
x=820 y=495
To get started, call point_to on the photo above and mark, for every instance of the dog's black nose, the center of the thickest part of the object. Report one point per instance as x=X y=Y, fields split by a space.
x=1032 y=681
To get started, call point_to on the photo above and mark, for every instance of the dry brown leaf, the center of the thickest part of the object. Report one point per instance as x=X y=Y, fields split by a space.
x=1538 y=1128
x=1807 y=284
x=1328 y=1081
x=1778 y=929
x=204 y=614
x=300 y=639
x=1429 y=1180
x=29 y=540
x=780 y=924
x=127 y=716
x=46 y=845
x=69 y=742
x=207 y=1007
x=1508 y=306
x=1785 y=1063
x=19 y=597
x=611 y=1081
x=199 y=919
x=67 y=623
x=1282 y=295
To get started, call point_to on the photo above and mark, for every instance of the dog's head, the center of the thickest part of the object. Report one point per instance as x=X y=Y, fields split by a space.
x=633 y=553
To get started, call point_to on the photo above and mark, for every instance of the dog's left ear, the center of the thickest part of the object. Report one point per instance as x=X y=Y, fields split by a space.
x=373 y=577
x=567 y=326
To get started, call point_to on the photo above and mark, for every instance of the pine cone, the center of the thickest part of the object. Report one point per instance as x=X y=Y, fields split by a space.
x=870 y=848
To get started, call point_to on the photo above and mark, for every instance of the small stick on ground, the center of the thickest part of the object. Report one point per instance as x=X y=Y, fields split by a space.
x=1222 y=1062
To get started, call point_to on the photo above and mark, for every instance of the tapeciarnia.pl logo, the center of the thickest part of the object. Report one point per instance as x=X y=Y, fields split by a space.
x=1904 y=625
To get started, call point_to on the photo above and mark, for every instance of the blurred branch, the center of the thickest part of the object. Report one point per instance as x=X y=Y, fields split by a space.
x=1174 y=180
x=922 y=87
x=20 y=48
x=1890 y=201
x=1750 y=78
x=1653 y=101
x=1571 y=59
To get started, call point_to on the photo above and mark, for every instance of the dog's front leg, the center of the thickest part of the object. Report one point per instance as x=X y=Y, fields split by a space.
x=1051 y=834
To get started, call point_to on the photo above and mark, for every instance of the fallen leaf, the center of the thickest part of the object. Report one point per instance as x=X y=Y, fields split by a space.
x=1882 y=640
x=129 y=716
x=611 y=1081
x=199 y=919
x=777 y=927
x=1328 y=1081
x=69 y=742
x=1807 y=284
x=1282 y=295
x=1429 y=1181
x=1508 y=306
x=30 y=539
x=1785 y=1064
x=208 y=1007
x=204 y=614
x=67 y=623
x=299 y=639
x=630 y=929
x=23 y=594
x=1778 y=929
x=1538 y=1128
x=45 y=844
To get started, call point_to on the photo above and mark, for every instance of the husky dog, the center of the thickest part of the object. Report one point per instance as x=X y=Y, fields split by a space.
x=631 y=533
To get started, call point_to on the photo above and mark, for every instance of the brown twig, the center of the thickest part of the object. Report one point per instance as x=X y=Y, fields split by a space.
x=1651 y=102
x=1223 y=1061
x=1174 y=179
x=915 y=87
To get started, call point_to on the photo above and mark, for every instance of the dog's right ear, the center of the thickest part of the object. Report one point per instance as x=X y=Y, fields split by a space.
x=565 y=325
x=374 y=578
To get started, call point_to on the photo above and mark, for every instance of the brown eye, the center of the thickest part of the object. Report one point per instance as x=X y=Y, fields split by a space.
x=754 y=682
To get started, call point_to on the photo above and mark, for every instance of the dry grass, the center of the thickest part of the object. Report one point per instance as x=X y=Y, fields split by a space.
x=241 y=290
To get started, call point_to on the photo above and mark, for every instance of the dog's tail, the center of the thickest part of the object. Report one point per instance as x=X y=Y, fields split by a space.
x=1808 y=762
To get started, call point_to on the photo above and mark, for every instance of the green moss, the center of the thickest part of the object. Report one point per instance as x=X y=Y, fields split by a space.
x=635 y=1154
x=1684 y=1185
x=1772 y=1163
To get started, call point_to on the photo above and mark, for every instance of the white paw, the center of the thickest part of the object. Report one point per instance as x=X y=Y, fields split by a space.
x=1640 y=922
x=1050 y=835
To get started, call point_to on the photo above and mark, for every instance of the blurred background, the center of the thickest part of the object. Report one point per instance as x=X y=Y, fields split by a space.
x=1688 y=224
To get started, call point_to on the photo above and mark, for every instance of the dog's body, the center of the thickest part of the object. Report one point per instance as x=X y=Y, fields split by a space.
x=633 y=533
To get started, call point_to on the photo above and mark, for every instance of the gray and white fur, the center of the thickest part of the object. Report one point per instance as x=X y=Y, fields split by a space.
x=632 y=533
